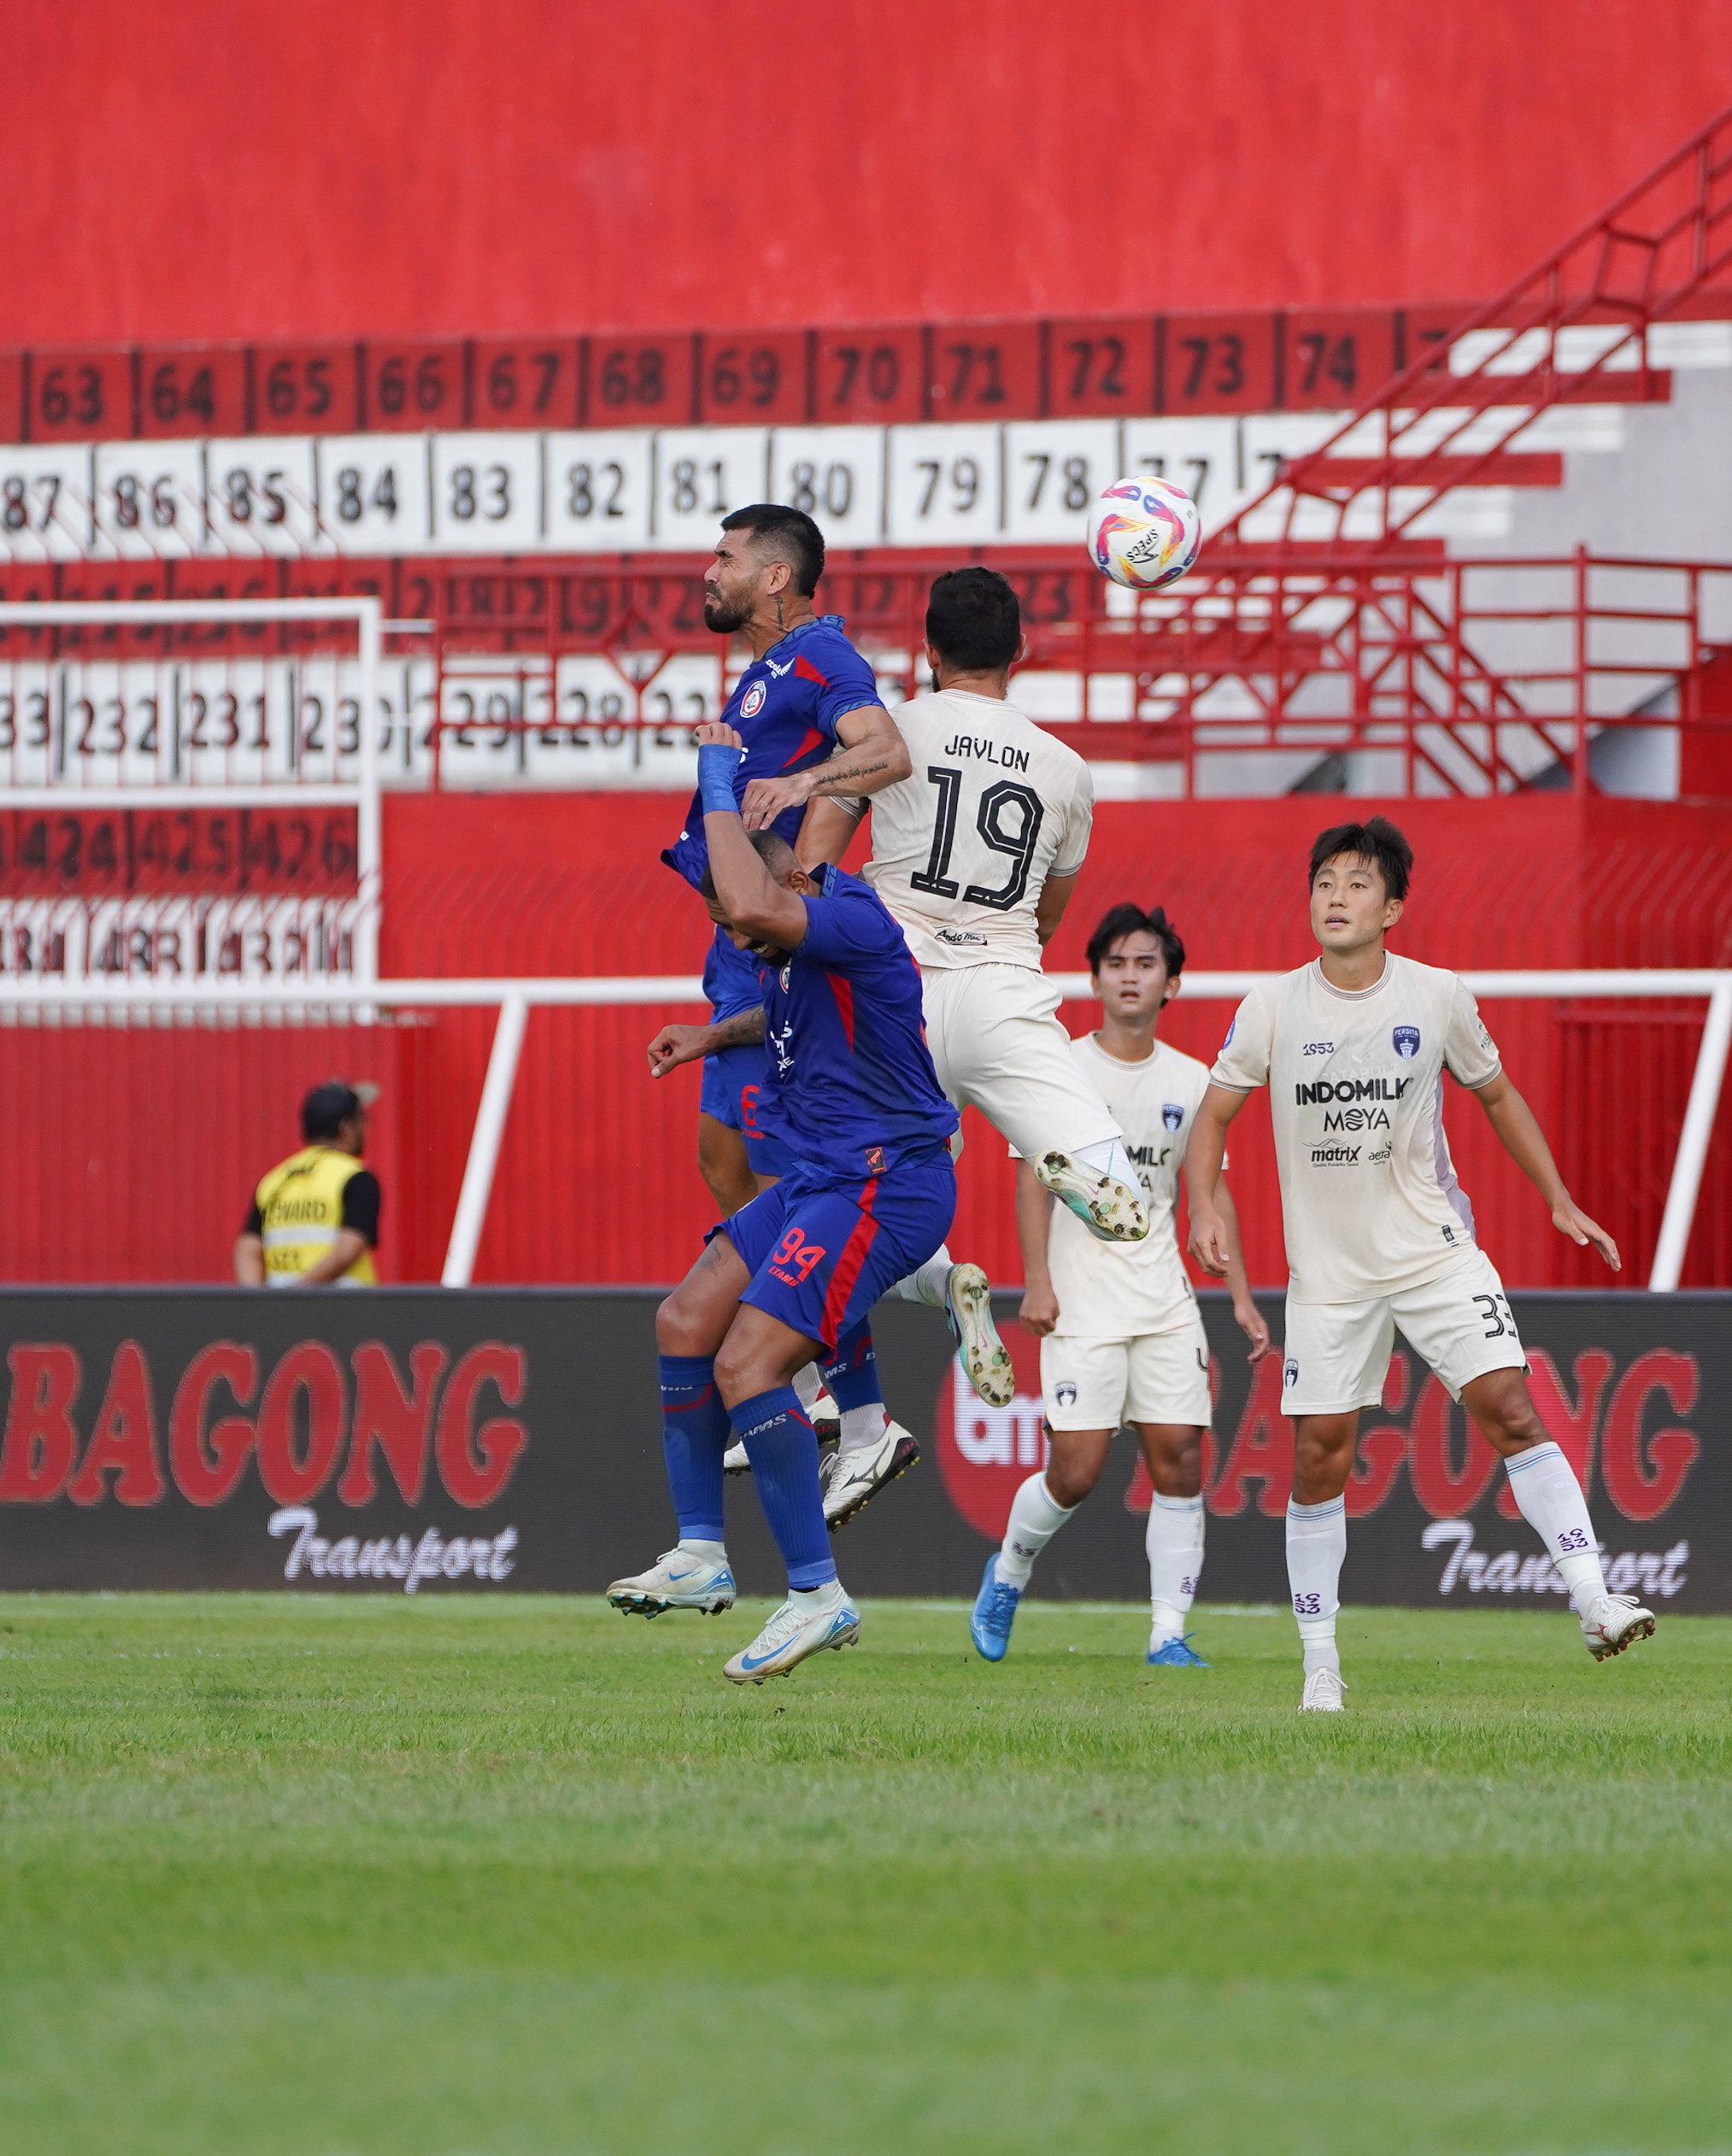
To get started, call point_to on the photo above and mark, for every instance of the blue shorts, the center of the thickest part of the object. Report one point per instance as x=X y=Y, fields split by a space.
x=731 y=1083
x=823 y=1247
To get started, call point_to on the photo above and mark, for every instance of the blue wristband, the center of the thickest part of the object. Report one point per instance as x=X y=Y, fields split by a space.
x=718 y=765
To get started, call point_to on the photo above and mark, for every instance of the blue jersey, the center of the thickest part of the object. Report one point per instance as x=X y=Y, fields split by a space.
x=850 y=1084
x=784 y=708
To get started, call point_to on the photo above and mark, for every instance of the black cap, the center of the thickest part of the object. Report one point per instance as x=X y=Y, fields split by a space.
x=326 y=1108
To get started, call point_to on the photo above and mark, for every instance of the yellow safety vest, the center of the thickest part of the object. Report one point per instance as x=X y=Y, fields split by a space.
x=300 y=1202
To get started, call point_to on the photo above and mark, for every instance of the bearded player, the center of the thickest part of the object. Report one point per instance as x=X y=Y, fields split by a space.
x=851 y=1094
x=977 y=851
x=1380 y=1234
x=807 y=712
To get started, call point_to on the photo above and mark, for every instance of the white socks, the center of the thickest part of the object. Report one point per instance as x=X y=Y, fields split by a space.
x=927 y=1284
x=1107 y=1156
x=716 y=1552
x=1317 y=1546
x=817 y=1601
x=862 y=1427
x=1175 y=1546
x=1036 y=1516
x=1543 y=1483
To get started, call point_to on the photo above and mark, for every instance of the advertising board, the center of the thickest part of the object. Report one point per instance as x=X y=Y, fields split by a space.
x=417 y=1441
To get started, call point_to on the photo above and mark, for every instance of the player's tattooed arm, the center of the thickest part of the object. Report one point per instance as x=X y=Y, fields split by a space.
x=1524 y=1142
x=677 y=1044
x=873 y=754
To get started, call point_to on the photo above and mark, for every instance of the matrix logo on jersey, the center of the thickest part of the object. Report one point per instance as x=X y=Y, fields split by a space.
x=1334 y=1156
x=753 y=702
x=1172 y=1114
x=1406 y=1040
x=1348 y=1089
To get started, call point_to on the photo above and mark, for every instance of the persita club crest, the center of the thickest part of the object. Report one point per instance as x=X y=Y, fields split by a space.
x=1406 y=1040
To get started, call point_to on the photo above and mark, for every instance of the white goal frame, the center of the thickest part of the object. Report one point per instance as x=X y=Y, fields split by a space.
x=514 y=999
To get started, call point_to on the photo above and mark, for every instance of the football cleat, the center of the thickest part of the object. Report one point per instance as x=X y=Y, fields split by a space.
x=678 y=1579
x=856 y=1478
x=1611 y=1623
x=994 y=1613
x=789 y=1637
x=1323 y=1692
x=1108 y=1208
x=826 y=1427
x=1177 y=1655
x=968 y=1306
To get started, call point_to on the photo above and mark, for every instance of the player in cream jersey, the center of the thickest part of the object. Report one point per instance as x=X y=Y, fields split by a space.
x=1379 y=1234
x=1121 y=1336
x=975 y=854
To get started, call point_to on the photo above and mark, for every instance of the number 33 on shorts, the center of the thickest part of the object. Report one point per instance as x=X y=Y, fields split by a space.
x=1500 y=1318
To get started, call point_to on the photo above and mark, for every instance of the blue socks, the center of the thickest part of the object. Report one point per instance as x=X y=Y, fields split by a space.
x=852 y=1373
x=694 y=1428
x=783 y=1453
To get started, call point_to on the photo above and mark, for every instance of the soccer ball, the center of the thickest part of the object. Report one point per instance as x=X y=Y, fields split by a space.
x=1144 y=532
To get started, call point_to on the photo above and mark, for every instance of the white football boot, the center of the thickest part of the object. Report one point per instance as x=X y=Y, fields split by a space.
x=1611 y=1623
x=856 y=1478
x=968 y=1305
x=826 y=1427
x=789 y=1637
x=1322 y=1694
x=678 y=1579
x=1108 y=1208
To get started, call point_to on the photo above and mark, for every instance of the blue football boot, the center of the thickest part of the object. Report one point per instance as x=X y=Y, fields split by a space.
x=1177 y=1655
x=994 y=1613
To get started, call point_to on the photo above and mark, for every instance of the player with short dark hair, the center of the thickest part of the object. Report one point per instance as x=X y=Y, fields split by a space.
x=974 y=618
x=807 y=713
x=976 y=852
x=1353 y=1048
x=1121 y=1336
x=314 y=1221
x=852 y=1094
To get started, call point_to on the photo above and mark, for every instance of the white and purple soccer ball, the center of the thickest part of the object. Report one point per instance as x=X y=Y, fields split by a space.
x=1144 y=532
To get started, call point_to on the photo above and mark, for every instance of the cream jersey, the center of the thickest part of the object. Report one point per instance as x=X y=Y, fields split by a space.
x=1116 y=1291
x=1355 y=1078
x=961 y=847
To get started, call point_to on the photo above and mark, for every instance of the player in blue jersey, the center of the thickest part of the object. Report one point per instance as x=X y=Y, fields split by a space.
x=807 y=715
x=851 y=1092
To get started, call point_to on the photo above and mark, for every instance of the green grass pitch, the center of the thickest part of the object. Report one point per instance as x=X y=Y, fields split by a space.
x=301 y=1877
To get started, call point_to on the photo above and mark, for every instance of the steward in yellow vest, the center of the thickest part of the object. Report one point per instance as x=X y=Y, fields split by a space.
x=314 y=1218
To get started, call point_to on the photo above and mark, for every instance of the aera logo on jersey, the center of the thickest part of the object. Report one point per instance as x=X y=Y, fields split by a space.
x=753 y=702
x=1406 y=1040
x=1172 y=1114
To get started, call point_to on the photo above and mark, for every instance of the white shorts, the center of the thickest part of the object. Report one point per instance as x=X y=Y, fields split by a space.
x=1098 y=1385
x=996 y=1044
x=1337 y=1353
